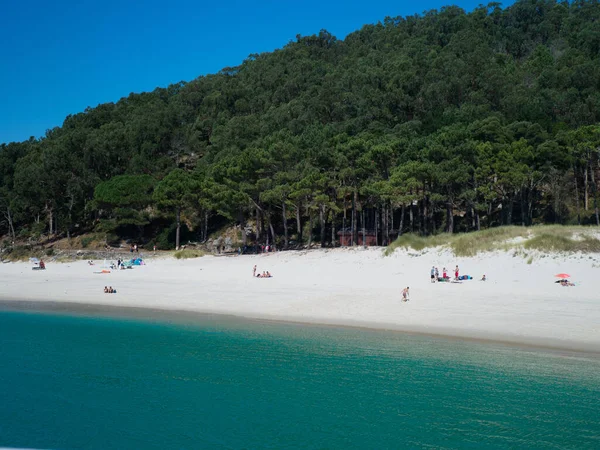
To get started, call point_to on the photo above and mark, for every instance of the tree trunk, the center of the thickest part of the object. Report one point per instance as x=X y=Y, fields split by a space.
x=477 y=221
x=354 y=218
x=9 y=221
x=332 y=228
x=50 y=222
x=386 y=225
x=402 y=220
x=322 y=222
x=178 y=223
x=310 y=225
x=376 y=226
x=206 y=225
x=285 y=230
x=299 y=223
x=449 y=216
x=425 y=216
x=585 y=187
x=273 y=242
x=523 y=214
x=595 y=192
x=576 y=196
x=411 y=217
x=242 y=226
x=363 y=228
x=258 y=231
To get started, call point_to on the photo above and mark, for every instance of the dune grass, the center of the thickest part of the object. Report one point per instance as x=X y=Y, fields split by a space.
x=188 y=253
x=418 y=243
x=548 y=242
x=546 y=238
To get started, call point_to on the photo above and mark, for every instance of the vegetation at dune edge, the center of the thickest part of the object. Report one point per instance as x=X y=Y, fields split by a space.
x=430 y=128
x=188 y=253
x=542 y=238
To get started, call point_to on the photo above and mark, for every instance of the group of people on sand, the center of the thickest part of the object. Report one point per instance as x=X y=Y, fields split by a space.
x=565 y=282
x=435 y=275
x=265 y=274
x=109 y=290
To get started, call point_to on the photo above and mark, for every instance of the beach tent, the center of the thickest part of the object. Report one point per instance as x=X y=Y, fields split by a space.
x=34 y=260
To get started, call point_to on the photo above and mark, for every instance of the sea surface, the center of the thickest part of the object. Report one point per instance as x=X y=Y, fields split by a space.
x=70 y=381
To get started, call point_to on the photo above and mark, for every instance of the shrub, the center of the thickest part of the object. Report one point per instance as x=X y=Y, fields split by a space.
x=86 y=241
x=188 y=253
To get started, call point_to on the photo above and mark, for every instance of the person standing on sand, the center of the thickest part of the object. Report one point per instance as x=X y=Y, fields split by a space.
x=437 y=274
x=432 y=274
x=405 y=294
x=254 y=271
x=456 y=273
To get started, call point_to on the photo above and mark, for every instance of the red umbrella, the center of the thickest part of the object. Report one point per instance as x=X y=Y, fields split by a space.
x=562 y=275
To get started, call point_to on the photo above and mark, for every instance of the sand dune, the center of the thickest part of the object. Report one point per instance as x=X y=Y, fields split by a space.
x=357 y=287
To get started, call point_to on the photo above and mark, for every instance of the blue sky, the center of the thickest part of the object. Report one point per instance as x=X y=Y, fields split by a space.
x=60 y=57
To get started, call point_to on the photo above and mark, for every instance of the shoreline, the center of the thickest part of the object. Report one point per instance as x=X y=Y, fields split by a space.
x=360 y=288
x=191 y=316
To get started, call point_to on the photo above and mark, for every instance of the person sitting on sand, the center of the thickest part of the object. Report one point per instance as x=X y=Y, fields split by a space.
x=110 y=290
x=405 y=294
x=90 y=262
x=42 y=264
x=105 y=289
x=269 y=274
x=483 y=278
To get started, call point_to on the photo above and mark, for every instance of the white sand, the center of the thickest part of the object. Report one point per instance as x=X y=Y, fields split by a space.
x=519 y=303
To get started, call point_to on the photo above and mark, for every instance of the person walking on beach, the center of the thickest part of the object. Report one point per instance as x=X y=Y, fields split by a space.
x=432 y=274
x=437 y=274
x=405 y=294
x=254 y=271
x=456 y=273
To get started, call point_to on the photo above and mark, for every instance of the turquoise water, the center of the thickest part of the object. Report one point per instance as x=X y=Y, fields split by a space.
x=93 y=382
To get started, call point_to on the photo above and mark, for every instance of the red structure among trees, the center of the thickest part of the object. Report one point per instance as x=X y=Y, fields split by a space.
x=370 y=238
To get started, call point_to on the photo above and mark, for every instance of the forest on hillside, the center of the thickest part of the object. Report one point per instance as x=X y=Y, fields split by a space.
x=442 y=122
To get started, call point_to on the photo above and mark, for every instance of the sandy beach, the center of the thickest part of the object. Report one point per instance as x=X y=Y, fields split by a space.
x=519 y=303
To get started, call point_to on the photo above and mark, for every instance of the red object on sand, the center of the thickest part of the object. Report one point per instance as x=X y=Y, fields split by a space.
x=562 y=275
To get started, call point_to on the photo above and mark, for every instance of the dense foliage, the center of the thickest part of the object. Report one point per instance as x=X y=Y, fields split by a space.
x=446 y=121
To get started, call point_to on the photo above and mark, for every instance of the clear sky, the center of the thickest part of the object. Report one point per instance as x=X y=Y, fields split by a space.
x=59 y=57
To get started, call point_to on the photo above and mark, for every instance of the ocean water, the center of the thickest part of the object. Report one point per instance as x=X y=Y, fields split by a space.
x=72 y=381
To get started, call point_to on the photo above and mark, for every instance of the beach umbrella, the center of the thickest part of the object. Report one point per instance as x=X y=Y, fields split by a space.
x=562 y=275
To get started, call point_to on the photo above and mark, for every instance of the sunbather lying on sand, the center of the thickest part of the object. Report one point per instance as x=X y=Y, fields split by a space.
x=265 y=274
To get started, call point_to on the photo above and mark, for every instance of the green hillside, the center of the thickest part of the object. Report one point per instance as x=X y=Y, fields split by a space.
x=442 y=122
